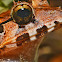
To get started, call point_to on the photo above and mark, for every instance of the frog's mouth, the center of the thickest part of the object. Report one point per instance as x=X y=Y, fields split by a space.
x=26 y=36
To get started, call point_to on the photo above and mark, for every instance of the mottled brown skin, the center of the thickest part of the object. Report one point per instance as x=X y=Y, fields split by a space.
x=27 y=50
x=5 y=16
x=39 y=3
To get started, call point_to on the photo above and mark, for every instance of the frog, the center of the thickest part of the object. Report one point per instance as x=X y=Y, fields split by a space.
x=24 y=28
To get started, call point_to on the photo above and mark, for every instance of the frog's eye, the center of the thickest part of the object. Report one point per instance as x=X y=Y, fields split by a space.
x=22 y=14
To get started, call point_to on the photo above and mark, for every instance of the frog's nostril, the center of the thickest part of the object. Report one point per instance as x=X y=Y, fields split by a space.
x=1 y=28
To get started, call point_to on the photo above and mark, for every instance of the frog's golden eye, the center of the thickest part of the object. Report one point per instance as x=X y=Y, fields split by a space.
x=22 y=14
